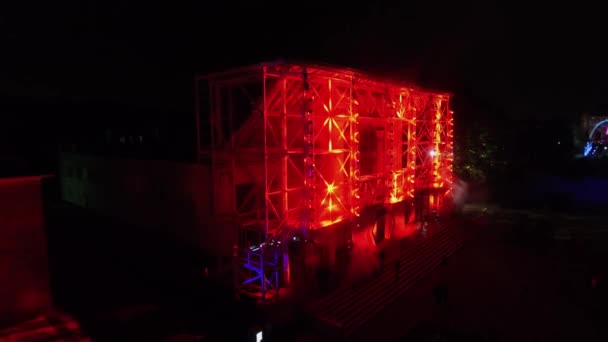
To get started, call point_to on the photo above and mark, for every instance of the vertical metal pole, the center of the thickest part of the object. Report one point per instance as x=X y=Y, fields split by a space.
x=265 y=112
x=286 y=156
x=351 y=144
x=354 y=150
x=305 y=217
x=309 y=182
x=450 y=145
x=412 y=143
x=331 y=122
x=284 y=182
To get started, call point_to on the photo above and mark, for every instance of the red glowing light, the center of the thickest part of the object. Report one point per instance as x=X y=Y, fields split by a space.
x=322 y=144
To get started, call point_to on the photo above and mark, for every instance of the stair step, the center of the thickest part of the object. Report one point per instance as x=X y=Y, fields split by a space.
x=388 y=298
x=406 y=256
x=372 y=294
x=407 y=259
x=349 y=308
x=367 y=292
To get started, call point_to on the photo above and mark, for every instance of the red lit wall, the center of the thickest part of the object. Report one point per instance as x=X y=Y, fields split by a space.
x=24 y=279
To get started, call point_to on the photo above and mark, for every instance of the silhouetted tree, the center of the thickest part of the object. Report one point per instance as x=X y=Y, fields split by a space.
x=477 y=155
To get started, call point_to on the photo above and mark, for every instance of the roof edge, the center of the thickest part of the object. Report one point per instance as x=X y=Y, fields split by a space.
x=318 y=65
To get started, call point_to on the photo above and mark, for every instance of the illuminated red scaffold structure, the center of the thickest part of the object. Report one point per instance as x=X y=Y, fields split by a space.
x=298 y=148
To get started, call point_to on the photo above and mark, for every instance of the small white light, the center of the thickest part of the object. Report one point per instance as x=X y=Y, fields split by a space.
x=559 y=142
x=259 y=336
x=432 y=153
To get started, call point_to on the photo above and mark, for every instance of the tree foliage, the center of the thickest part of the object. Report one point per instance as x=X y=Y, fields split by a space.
x=478 y=154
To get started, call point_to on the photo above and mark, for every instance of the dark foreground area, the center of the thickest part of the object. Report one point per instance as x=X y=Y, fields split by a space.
x=519 y=280
x=125 y=283
x=516 y=279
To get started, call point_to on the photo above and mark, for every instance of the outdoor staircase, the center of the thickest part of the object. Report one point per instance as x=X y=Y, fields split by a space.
x=344 y=311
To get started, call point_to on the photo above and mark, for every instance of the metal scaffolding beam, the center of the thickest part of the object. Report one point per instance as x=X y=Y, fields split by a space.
x=303 y=147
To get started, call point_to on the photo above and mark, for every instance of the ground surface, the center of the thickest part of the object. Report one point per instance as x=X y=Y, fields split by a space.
x=505 y=285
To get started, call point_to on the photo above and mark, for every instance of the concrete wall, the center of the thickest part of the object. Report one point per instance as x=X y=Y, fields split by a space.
x=175 y=198
x=24 y=275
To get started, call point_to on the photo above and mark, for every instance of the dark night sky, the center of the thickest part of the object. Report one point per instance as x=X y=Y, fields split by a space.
x=518 y=61
x=511 y=57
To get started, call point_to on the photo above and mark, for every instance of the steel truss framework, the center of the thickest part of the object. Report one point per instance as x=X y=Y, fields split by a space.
x=306 y=146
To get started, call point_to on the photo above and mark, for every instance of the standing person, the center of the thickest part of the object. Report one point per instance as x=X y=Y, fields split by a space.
x=381 y=258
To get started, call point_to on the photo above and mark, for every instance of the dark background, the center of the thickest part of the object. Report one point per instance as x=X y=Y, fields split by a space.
x=78 y=75
x=72 y=70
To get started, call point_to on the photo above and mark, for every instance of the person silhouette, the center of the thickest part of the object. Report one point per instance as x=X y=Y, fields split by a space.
x=382 y=257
